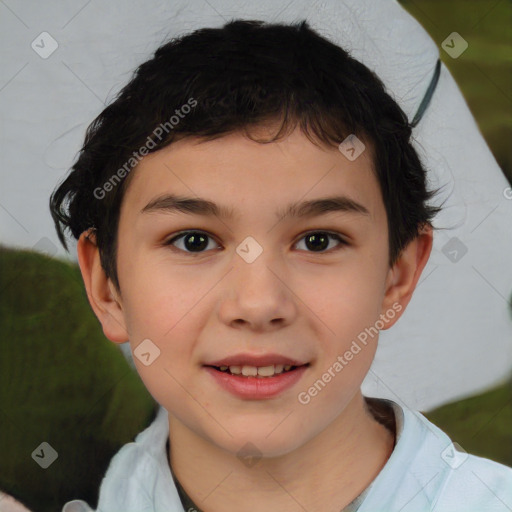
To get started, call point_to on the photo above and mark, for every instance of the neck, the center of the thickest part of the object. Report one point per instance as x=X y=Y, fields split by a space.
x=326 y=473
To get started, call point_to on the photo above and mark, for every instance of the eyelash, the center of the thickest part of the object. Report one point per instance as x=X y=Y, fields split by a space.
x=183 y=234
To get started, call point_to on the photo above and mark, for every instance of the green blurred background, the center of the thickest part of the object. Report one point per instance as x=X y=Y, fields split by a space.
x=481 y=424
x=48 y=326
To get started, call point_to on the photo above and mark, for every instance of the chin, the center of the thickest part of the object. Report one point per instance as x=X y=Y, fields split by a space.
x=254 y=441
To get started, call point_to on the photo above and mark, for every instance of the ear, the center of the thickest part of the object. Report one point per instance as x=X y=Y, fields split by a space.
x=101 y=292
x=404 y=275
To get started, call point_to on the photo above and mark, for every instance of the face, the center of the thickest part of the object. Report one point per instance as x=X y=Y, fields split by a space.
x=256 y=281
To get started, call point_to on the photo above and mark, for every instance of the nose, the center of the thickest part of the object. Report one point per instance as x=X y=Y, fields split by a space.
x=258 y=295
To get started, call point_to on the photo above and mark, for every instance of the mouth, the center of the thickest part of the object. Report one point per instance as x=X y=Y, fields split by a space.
x=256 y=377
x=260 y=372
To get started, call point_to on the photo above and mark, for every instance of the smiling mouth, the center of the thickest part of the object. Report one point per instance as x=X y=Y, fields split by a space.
x=261 y=372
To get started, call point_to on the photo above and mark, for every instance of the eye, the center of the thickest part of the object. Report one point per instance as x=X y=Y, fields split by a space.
x=197 y=241
x=193 y=241
x=319 y=240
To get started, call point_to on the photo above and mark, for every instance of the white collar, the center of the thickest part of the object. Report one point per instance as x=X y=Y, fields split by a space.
x=139 y=475
x=422 y=473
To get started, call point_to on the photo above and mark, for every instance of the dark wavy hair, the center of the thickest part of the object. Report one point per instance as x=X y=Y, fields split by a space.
x=239 y=76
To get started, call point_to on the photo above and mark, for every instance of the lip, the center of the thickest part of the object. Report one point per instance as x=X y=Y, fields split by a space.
x=257 y=388
x=255 y=360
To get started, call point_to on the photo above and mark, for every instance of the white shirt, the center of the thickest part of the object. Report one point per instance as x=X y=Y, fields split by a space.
x=424 y=473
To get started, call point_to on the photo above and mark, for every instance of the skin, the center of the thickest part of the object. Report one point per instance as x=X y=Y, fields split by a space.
x=9 y=504
x=291 y=300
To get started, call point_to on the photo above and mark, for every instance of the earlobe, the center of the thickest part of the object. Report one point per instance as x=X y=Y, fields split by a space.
x=103 y=297
x=404 y=276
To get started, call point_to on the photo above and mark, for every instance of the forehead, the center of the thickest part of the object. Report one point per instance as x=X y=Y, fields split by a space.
x=234 y=176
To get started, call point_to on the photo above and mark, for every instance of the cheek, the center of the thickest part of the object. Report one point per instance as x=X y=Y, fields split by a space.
x=165 y=309
x=346 y=299
x=164 y=306
x=162 y=297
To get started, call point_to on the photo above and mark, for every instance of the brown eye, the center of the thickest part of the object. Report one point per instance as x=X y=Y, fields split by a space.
x=192 y=241
x=318 y=241
x=197 y=242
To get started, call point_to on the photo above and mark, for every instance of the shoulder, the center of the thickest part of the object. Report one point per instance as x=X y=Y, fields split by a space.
x=476 y=484
x=136 y=467
x=138 y=477
x=427 y=471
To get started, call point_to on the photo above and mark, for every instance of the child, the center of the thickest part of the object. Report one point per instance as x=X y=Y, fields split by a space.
x=248 y=206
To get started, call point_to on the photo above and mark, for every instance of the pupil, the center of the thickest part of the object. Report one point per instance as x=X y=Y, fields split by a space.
x=196 y=242
x=316 y=241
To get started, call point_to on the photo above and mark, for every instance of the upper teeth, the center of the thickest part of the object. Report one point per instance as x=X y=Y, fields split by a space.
x=260 y=371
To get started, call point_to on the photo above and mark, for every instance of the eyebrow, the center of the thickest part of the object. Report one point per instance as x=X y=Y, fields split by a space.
x=171 y=203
